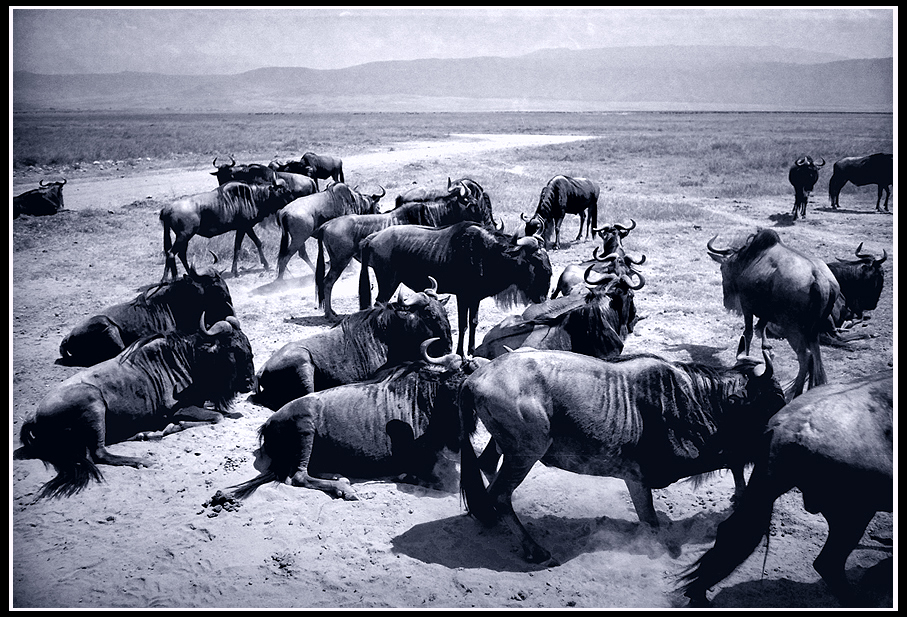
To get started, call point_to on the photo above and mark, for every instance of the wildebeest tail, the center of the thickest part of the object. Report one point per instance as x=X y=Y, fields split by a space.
x=73 y=465
x=319 y=273
x=243 y=490
x=284 y=236
x=365 y=288
x=472 y=487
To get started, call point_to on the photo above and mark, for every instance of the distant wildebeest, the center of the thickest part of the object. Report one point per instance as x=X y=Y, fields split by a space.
x=834 y=444
x=160 y=383
x=396 y=423
x=232 y=206
x=561 y=196
x=595 y=323
x=609 y=258
x=301 y=217
x=175 y=305
x=317 y=166
x=643 y=419
x=354 y=349
x=298 y=184
x=875 y=169
x=45 y=200
x=466 y=259
x=340 y=238
x=793 y=291
x=803 y=176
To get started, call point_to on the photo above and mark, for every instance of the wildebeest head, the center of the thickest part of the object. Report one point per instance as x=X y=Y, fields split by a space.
x=419 y=317
x=861 y=281
x=755 y=393
x=224 y=362
x=533 y=272
x=216 y=301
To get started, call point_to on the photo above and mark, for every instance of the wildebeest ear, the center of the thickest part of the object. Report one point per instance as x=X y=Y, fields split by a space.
x=444 y=300
x=741 y=347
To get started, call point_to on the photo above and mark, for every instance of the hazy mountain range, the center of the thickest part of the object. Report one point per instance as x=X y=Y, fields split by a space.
x=625 y=78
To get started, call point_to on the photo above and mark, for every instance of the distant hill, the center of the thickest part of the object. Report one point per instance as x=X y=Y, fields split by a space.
x=621 y=78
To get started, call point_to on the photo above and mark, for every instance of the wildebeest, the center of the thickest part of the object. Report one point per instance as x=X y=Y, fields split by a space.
x=173 y=305
x=354 y=349
x=160 y=383
x=861 y=283
x=232 y=206
x=610 y=257
x=466 y=259
x=794 y=291
x=322 y=167
x=595 y=323
x=875 y=169
x=340 y=238
x=396 y=423
x=561 y=196
x=834 y=444
x=420 y=193
x=643 y=419
x=803 y=176
x=45 y=200
x=249 y=174
x=303 y=216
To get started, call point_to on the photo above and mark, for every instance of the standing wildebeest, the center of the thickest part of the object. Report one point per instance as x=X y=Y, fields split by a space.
x=232 y=206
x=803 y=176
x=159 y=383
x=303 y=216
x=875 y=169
x=466 y=259
x=615 y=260
x=354 y=349
x=834 y=444
x=45 y=200
x=396 y=423
x=595 y=323
x=341 y=237
x=175 y=305
x=643 y=419
x=561 y=196
x=322 y=167
x=793 y=291
x=298 y=184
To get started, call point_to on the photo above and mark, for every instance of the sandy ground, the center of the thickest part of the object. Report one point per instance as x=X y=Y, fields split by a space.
x=152 y=537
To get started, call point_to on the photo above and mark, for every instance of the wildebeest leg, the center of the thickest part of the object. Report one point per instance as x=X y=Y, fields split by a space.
x=329 y=483
x=489 y=459
x=337 y=268
x=642 y=501
x=760 y=330
x=582 y=219
x=747 y=330
x=846 y=523
x=185 y=418
x=261 y=253
x=237 y=244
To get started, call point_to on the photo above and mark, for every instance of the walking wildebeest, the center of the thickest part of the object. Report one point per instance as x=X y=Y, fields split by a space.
x=640 y=418
x=875 y=169
x=354 y=349
x=160 y=383
x=232 y=206
x=834 y=444
x=777 y=284
x=45 y=200
x=803 y=176
x=174 y=305
x=396 y=423
x=561 y=196
x=466 y=259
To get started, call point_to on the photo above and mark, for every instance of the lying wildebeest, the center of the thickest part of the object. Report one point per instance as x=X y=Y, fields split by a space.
x=778 y=284
x=466 y=259
x=595 y=323
x=834 y=444
x=561 y=196
x=861 y=283
x=174 y=305
x=421 y=193
x=160 y=383
x=298 y=219
x=643 y=419
x=298 y=184
x=610 y=258
x=340 y=238
x=396 y=423
x=45 y=200
x=803 y=176
x=322 y=167
x=354 y=349
x=875 y=169
x=232 y=206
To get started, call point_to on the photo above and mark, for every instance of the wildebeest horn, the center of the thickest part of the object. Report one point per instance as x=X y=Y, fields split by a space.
x=607 y=257
x=624 y=228
x=637 y=263
x=233 y=321
x=528 y=241
x=498 y=226
x=448 y=361
x=523 y=216
x=769 y=369
x=432 y=289
x=214 y=255
x=383 y=192
x=882 y=260
x=711 y=248
x=820 y=164
x=642 y=280
x=607 y=278
x=220 y=326
x=800 y=161
x=41 y=183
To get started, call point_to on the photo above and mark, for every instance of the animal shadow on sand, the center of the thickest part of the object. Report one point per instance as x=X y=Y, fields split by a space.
x=700 y=354
x=462 y=542
x=874 y=588
x=287 y=283
x=870 y=210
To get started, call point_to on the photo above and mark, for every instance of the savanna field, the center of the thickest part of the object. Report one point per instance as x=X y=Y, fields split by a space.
x=151 y=538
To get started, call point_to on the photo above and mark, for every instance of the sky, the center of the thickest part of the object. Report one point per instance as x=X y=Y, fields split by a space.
x=230 y=41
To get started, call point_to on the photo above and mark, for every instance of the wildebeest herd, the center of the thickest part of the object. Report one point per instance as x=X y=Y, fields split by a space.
x=369 y=398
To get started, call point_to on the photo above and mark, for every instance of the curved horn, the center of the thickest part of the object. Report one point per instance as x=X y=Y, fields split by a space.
x=864 y=255
x=882 y=260
x=214 y=162
x=41 y=183
x=820 y=164
x=769 y=370
x=383 y=193
x=220 y=326
x=625 y=228
x=523 y=216
x=642 y=281
x=64 y=182
x=233 y=321
x=528 y=241
x=499 y=227
x=507 y=349
x=608 y=257
x=232 y=161
x=214 y=255
x=432 y=290
x=607 y=278
x=449 y=361
x=637 y=263
x=718 y=251
x=800 y=162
